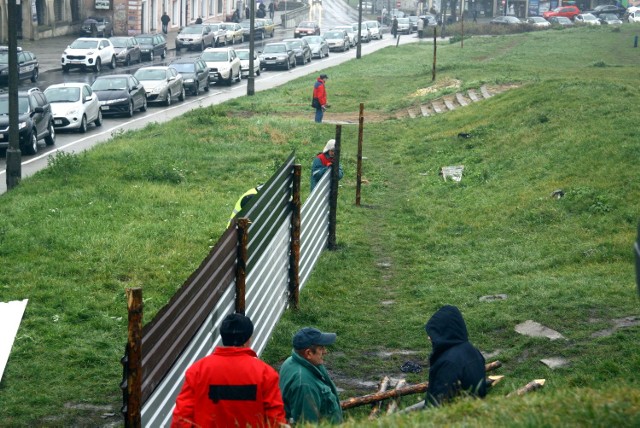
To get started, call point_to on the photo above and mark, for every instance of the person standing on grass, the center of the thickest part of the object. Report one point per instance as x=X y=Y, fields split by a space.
x=420 y=28
x=323 y=162
x=165 y=22
x=455 y=366
x=319 y=101
x=230 y=387
x=309 y=394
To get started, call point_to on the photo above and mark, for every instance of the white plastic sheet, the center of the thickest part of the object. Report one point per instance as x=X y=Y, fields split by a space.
x=10 y=318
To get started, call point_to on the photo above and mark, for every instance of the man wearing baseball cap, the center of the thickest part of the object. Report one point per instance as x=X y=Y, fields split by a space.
x=319 y=101
x=308 y=392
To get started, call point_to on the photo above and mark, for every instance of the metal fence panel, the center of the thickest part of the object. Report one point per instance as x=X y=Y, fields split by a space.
x=314 y=227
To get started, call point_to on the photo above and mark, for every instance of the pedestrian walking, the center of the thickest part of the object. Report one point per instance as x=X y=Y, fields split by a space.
x=475 y=15
x=247 y=12
x=319 y=101
x=394 y=26
x=272 y=10
x=420 y=28
x=165 y=22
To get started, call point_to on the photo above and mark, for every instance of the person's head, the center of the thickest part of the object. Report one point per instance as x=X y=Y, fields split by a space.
x=446 y=328
x=310 y=343
x=324 y=77
x=330 y=148
x=236 y=330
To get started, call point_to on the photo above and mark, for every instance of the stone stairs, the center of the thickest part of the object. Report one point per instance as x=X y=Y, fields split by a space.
x=453 y=101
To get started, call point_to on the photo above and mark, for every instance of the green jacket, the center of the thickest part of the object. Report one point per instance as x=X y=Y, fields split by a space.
x=308 y=393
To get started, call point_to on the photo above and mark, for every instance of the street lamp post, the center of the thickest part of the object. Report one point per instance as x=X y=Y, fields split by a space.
x=14 y=167
x=251 y=88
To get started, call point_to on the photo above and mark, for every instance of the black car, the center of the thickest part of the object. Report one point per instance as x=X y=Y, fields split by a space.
x=152 y=45
x=35 y=121
x=277 y=55
x=301 y=49
x=608 y=8
x=103 y=27
x=195 y=74
x=120 y=94
x=258 y=30
x=27 y=65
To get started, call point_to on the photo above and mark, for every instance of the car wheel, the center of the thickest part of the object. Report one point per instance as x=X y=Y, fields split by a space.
x=98 y=65
x=83 y=125
x=258 y=72
x=262 y=35
x=206 y=86
x=230 y=80
x=164 y=53
x=98 y=120
x=34 y=76
x=201 y=46
x=65 y=69
x=130 y=112
x=151 y=56
x=182 y=95
x=50 y=139
x=168 y=100
x=113 y=63
x=196 y=89
x=288 y=65
x=31 y=148
x=144 y=104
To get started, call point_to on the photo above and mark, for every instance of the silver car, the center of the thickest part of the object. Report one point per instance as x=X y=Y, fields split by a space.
x=162 y=84
x=319 y=46
x=338 y=40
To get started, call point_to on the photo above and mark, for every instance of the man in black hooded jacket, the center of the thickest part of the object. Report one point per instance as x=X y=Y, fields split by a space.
x=455 y=364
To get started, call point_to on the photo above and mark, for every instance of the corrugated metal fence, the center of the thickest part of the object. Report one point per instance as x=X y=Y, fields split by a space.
x=187 y=328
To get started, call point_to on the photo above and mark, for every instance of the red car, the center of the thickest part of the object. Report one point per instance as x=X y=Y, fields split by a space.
x=566 y=11
x=306 y=28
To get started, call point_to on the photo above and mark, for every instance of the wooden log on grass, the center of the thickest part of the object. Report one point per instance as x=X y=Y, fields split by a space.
x=531 y=386
x=384 y=385
x=393 y=406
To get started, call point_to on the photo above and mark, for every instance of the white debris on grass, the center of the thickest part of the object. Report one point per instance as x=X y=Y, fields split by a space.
x=554 y=362
x=10 y=318
x=535 y=329
x=453 y=172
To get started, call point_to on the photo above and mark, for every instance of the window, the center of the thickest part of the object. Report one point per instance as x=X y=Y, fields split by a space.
x=58 y=10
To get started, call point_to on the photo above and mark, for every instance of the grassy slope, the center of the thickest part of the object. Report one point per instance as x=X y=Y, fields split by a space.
x=71 y=243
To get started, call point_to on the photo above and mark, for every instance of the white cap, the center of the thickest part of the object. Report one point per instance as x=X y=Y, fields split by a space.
x=331 y=145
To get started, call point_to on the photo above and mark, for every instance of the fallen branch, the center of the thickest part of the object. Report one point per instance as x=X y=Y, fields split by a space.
x=393 y=406
x=384 y=385
x=395 y=393
x=531 y=386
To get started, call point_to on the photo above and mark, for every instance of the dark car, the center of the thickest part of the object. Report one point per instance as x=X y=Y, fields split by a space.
x=277 y=55
x=35 y=121
x=120 y=94
x=27 y=65
x=103 y=27
x=195 y=74
x=127 y=49
x=258 y=30
x=152 y=45
x=560 y=20
x=609 y=19
x=608 y=8
x=505 y=20
x=306 y=28
x=301 y=49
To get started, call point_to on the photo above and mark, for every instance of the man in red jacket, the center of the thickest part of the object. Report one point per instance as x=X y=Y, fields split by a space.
x=319 y=101
x=231 y=387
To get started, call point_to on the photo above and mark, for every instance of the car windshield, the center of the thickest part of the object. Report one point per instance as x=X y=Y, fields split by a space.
x=192 y=30
x=246 y=24
x=62 y=95
x=295 y=44
x=144 y=40
x=150 y=74
x=184 y=67
x=608 y=16
x=314 y=40
x=23 y=105
x=307 y=25
x=110 y=84
x=537 y=19
x=275 y=48
x=4 y=58
x=84 y=44
x=119 y=42
x=215 y=27
x=214 y=56
x=333 y=35
x=243 y=54
x=403 y=21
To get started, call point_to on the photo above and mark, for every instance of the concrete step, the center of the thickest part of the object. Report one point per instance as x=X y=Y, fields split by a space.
x=412 y=113
x=449 y=104
x=461 y=99
x=485 y=91
x=425 y=110
x=437 y=107
x=473 y=95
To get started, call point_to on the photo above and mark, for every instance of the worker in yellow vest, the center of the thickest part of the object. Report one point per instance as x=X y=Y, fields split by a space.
x=246 y=197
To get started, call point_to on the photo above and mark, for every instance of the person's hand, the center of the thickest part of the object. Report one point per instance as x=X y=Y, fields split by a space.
x=324 y=107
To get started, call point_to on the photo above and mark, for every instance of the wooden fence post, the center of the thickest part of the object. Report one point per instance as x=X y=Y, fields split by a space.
x=435 y=48
x=294 y=254
x=333 y=196
x=134 y=359
x=359 y=172
x=241 y=265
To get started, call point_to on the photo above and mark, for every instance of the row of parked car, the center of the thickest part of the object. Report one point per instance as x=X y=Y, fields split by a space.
x=570 y=15
x=201 y=36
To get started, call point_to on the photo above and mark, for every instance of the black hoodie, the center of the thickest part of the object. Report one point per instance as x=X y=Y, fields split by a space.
x=455 y=365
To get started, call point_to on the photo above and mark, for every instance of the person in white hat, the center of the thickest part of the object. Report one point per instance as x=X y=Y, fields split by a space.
x=322 y=163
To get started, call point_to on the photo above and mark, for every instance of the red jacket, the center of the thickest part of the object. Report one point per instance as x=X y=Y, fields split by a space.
x=229 y=388
x=320 y=92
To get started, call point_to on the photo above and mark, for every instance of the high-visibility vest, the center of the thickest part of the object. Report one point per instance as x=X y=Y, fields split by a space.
x=246 y=196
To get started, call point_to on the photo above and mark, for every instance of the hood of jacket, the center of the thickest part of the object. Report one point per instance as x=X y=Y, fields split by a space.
x=446 y=328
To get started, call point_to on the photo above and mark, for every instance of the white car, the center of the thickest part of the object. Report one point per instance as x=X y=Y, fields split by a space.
x=353 y=34
x=223 y=63
x=374 y=29
x=163 y=84
x=73 y=106
x=243 y=54
x=404 y=26
x=586 y=18
x=89 y=52
x=538 y=22
x=365 y=34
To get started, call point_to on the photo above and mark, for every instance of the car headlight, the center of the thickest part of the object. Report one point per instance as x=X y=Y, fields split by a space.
x=5 y=72
x=117 y=100
x=22 y=125
x=121 y=54
x=188 y=80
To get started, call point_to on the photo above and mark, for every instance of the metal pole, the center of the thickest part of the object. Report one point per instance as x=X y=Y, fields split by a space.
x=134 y=360
x=333 y=196
x=251 y=88
x=241 y=265
x=14 y=161
x=359 y=173
x=435 y=45
x=462 y=29
x=359 y=46
x=294 y=258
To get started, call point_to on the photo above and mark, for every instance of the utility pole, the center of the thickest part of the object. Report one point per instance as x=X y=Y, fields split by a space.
x=359 y=47
x=251 y=88
x=14 y=161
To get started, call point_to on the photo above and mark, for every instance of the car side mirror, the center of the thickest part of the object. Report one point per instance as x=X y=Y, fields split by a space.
x=38 y=109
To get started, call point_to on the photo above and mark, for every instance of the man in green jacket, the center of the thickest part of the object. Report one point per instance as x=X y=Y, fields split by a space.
x=308 y=392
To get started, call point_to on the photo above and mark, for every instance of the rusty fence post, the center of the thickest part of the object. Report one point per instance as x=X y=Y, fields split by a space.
x=134 y=359
x=294 y=250
x=333 y=196
x=435 y=48
x=359 y=172
x=241 y=265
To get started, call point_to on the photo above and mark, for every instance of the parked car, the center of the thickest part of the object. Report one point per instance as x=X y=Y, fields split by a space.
x=195 y=74
x=195 y=37
x=127 y=49
x=120 y=94
x=338 y=40
x=258 y=30
x=35 y=121
x=414 y=23
x=103 y=27
x=374 y=29
x=235 y=34
x=306 y=28
x=566 y=11
x=89 y=52
x=560 y=20
x=223 y=63
x=28 y=66
x=633 y=17
x=162 y=84
x=353 y=37
x=365 y=34
x=538 y=22
x=429 y=21
x=586 y=19
x=609 y=19
x=269 y=26
x=243 y=54
x=219 y=34
x=318 y=45
x=74 y=106
x=608 y=8
x=301 y=49
x=152 y=45
x=277 y=55
x=505 y=20
x=404 y=26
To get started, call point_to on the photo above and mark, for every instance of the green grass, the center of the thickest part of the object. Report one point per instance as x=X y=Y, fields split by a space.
x=144 y=210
